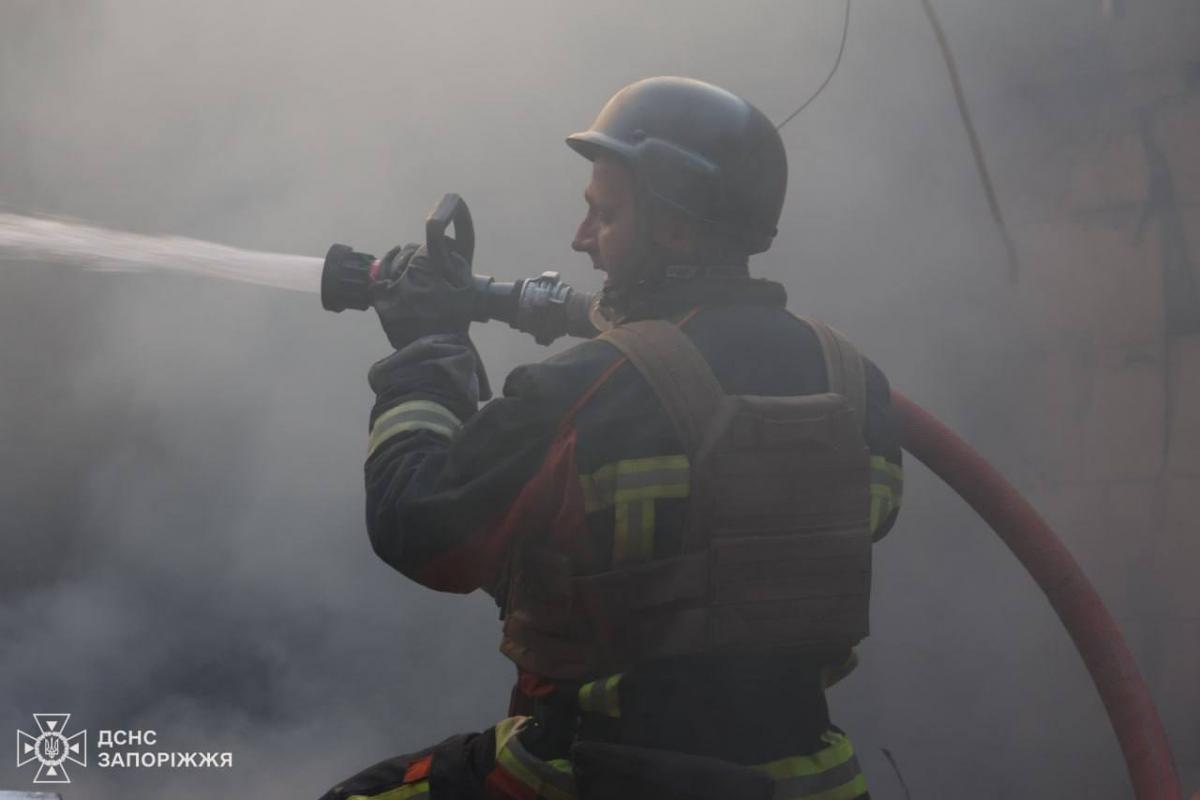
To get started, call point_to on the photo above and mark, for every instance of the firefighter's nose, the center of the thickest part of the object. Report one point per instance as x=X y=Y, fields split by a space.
x=585 y=239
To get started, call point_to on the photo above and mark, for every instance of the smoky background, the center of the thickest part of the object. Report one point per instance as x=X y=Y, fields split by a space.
x=183 y=543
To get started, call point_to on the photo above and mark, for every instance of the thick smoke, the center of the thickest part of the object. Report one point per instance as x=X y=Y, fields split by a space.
x=183 y=535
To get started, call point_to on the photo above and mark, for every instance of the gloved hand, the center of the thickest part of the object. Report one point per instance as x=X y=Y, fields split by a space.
x=415 y=297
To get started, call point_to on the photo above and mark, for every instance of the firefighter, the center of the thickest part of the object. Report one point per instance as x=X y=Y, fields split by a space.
x=571 y=498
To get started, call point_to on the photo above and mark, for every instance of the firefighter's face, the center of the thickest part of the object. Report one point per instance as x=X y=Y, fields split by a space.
x=608 y=232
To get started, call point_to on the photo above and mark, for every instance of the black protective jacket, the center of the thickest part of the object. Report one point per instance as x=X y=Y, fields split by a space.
x=451 y=489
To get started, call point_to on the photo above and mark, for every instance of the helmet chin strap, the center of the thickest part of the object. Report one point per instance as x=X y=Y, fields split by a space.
x=645 y=263
x=651 y=264
x=646 y=260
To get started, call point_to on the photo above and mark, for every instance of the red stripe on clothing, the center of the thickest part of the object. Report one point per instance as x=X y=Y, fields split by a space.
x=503 y=785
x=418 y=770
x=550 y=501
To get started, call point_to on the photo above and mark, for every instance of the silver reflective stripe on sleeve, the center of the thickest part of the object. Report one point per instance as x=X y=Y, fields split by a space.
x=415 y=415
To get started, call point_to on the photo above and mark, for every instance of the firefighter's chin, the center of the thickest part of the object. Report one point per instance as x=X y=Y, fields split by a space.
x=609 y=274
x=619 y=276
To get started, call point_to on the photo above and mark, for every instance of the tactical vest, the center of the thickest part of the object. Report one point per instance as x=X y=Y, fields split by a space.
x=777 y=546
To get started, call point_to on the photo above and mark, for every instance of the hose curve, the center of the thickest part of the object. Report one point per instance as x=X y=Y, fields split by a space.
x=1126 y=700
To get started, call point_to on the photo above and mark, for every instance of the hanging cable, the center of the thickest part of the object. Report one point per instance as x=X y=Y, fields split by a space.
x=1014 y=266
x=836 y=63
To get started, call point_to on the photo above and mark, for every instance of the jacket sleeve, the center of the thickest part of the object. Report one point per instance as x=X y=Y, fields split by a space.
x=445 y=482
x=439 y=474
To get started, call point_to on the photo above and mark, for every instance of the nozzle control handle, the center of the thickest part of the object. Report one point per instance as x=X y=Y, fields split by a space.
x=451 y=210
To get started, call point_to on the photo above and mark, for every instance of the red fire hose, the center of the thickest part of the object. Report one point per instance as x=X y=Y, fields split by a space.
x=1130 y=709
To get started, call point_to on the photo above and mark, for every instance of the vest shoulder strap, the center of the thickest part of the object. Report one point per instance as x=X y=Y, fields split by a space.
x=675 y=370
x=844 y=366
x=689 y=391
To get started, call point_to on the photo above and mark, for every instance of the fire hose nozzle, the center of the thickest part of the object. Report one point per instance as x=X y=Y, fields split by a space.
x=544 y=307
x=346 y=279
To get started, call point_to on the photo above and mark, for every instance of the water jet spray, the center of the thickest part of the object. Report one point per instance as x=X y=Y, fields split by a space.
x=93 y=248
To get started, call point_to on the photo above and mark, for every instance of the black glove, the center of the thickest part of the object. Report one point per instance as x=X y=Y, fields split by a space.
x=415 y=297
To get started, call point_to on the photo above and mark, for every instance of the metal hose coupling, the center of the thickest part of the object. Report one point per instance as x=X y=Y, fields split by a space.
x=545 y=307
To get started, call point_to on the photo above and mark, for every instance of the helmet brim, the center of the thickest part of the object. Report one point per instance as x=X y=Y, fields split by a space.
x=592 y=144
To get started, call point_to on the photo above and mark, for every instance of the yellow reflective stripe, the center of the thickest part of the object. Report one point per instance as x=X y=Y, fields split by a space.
x=586 y=696
x=506 y=728
x=553 y=780
x=599 y=488
x=409 y=791
x=635 y=479
x=887 y=486
x=540 y=784
x=612 y=705
x=601 y=696
x=631 y=487
x=895 y=471
x=847 y=791
x=883 y=503
x=838 y=752
x=415 y=415
x=878 y=503
x=652 y=478
x=829 y=774
x=885 y=473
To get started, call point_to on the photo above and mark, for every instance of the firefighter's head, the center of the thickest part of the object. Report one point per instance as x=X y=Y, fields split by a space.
x=684 y=174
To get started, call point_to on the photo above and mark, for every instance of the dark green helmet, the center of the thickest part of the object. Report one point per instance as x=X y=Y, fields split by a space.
x=699 y=149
